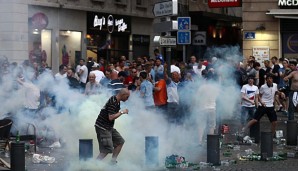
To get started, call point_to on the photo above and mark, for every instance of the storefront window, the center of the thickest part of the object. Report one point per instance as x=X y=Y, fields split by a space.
x=70 y=47
x=40 y=50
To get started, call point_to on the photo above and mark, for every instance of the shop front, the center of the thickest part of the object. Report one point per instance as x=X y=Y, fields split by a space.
x=108 y=36
x=55 y=36
x=287 y=14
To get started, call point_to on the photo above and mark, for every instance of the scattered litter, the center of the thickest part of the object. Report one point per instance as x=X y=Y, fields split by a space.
x=37 y=158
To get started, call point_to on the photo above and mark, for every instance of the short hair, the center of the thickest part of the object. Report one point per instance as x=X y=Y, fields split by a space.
x=293 y=62
x=156 y=51
x=269 y=75
x=257 y=64
x=61 y=67
x=143 y=75
x=82 y=59
x=274 y=57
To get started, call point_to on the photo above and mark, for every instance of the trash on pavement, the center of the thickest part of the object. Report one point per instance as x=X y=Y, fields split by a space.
x=37 y=158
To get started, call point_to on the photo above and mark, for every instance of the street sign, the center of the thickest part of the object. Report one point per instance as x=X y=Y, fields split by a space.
x=167 y=8
x=167 y=41
x=183 y=37
x=184 y=23
x=250 y=35
x=165 y=26
x=199 y=38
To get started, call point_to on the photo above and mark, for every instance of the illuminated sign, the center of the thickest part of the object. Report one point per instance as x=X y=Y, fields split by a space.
x=111 y=23
x=224 y=3
x=288 y=3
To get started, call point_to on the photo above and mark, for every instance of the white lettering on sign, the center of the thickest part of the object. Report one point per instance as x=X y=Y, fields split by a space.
x=288 y=3
x=99 y=22
x=122 y=26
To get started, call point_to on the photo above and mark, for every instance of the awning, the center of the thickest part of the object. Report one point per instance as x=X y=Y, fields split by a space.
x=284 y=13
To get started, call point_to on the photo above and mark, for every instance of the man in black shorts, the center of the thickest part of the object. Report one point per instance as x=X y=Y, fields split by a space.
x=109 y=139
x=265 y=103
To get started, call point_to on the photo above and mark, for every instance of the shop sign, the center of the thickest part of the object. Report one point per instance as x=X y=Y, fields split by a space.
x=287 y=3
x=101 y=22
x=224 y=3
x=39 y=21
x=111 y=22
x=290 y=43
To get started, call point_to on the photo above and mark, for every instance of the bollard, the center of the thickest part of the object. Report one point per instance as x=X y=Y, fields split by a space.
x=85 y=149
x=213 y=153
x=292 y=132
x=255 y=132
x=266 y=145
x=151 y=150
x=17 y=159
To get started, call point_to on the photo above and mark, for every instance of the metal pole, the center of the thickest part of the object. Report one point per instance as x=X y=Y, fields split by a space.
x=266 y=145
x=213 y=153
x=17 y=156
x=85 y=149
x=151 y=150
x=168 y=51
x=292 y=132
x=184 y=53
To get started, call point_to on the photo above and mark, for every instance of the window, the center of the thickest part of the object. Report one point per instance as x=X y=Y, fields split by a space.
x=121 y=2
x=139 y=2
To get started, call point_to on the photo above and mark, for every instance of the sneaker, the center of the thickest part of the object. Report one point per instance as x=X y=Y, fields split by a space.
x=55 y=145
x=113 y=162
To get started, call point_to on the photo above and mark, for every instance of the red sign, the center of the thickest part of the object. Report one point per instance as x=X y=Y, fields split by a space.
x=224 y=3
x=39 y=21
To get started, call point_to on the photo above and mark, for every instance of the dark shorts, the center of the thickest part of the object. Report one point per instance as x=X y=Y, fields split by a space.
x=261 y=111
x=108 y=139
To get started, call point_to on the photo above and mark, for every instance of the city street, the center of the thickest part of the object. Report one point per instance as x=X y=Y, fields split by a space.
x=229 y=156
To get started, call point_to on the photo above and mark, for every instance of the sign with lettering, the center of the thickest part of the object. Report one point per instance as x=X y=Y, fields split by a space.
x=261 y=53
x=288 y=3
x=167 y=41
x=224 y=3
x=250 y=35
x=98 y=22
x=165 y=8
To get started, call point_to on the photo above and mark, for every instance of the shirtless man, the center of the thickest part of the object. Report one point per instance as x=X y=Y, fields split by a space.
x=293 y=99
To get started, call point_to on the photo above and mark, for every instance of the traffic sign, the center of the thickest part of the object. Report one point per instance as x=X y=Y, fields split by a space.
x=183 y=37
x=165 y=8
x=167 y=41
x=184 y=23
x=165 y=26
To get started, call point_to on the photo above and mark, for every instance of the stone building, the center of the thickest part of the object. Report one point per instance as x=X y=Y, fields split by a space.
x=270 y=29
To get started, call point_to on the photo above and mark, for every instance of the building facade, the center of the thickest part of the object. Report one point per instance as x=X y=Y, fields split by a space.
x=63 y=31
x=270 y=29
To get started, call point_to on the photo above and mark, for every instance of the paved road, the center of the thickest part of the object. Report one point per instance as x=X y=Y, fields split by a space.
x=290 y=164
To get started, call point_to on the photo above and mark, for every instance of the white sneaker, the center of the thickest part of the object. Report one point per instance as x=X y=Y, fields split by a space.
x=55 y=145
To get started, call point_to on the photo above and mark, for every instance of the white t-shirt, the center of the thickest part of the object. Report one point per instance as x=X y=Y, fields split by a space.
x=198 y=71
x=32 y=95
x=268 y=94
x=84 y=75
x=58 y=76
x=99 y=75
x=250 y=92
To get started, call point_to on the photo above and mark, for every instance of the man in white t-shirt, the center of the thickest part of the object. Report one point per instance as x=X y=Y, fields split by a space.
x=62 y=72
x=248 y=101
x=82 y=72
x=265 y=98
x=99 y=74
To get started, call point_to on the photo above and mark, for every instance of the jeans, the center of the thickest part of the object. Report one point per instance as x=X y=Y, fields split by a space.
x=291 y=108
x=247 y=114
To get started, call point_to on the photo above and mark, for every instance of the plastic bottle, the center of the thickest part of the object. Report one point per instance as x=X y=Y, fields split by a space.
x=18 y=137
